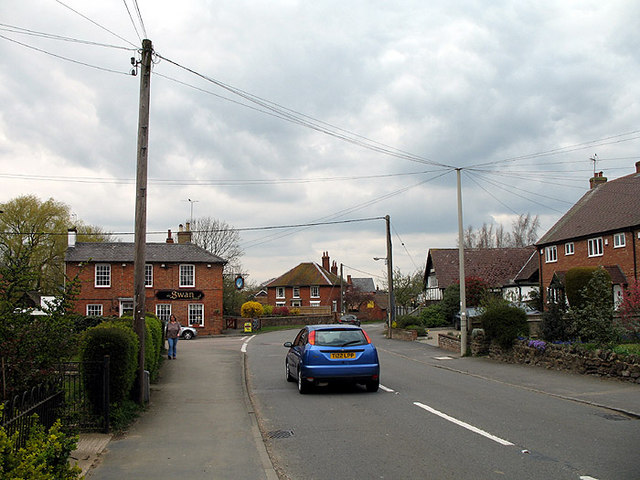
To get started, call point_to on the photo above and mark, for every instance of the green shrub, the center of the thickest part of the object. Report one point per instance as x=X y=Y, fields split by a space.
x=627 y=349
x=592 y=319
x=433 y=316
x=152 y=341
x=117 y=340
x=418 y=328
x=402 y=321
x=267 y=309
x=575 y=282
x=555 y=326
x=503 y=323
x=44 y=456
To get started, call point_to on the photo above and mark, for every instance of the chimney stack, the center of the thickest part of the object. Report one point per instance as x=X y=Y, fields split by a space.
x=334 y=268
x=325 y=261
x=72 y=235
x=637 y=167
x=596 y=180
x=169 y=239
x=184 y=234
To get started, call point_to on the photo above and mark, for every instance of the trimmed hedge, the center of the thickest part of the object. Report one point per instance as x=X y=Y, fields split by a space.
x=119 y=341
x=503 y=323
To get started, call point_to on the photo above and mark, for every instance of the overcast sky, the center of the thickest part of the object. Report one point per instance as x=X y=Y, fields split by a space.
x=384 y=100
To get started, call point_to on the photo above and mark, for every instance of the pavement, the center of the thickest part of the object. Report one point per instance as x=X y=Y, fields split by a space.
x=200 y=422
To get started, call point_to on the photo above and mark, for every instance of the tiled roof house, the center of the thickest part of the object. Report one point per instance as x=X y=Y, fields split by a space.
x=307 y=285
x=512 y=270
x=601 y=229
x=180 y=278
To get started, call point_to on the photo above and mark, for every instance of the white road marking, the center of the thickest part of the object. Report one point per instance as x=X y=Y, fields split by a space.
x=463 y=424
x=587 y=477
x=387 y=389
x=244 y=344
x=443 y=358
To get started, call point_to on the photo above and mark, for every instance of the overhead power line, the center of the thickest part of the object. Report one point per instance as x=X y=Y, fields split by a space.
x=293 y=116
x=240 y=229
x=97 y=67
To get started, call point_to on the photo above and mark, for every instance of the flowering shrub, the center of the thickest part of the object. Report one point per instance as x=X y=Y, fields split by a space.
x=282 y=311
x=251 y=309
x=539 y=345
x=295 y=311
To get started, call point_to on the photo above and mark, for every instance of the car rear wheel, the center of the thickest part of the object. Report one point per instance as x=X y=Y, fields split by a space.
x=373 y=386
x=303 y=385
x=187 y=335
x=287 y=373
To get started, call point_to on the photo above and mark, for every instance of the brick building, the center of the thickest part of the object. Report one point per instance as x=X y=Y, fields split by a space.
x=601 y=229
x=180 y=278
x=307 y=285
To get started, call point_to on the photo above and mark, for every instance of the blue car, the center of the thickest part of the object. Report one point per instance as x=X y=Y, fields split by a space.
x=324 y=353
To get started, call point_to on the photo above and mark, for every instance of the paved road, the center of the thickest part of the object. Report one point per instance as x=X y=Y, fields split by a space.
x=443 y=418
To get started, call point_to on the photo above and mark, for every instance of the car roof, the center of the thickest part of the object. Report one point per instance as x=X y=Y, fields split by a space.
x=332 y=326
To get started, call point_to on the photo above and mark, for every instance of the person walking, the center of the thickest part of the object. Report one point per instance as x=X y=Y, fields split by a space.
x=173 y=332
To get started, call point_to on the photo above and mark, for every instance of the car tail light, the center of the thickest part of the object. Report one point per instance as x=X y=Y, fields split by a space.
x=312 y=337
x=366 y=336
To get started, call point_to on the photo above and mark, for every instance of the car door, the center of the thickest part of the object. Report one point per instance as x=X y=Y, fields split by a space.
x=297 y=349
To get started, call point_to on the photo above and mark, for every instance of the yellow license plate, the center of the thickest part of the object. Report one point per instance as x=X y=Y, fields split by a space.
x=343 y=355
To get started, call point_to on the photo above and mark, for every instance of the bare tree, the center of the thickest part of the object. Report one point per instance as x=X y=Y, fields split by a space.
x=524 y=232
x=220 y=238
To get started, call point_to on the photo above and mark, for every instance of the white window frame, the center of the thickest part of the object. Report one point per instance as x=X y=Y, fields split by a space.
x=314 y=291
x=596 y=247
x=296 y=303
x=148 y=275
x=94 y=310
x=163 y=311
x=196 y=312
x=102 y=275
x=280 y=304
x=296 y=292
x=187 y=275
x=280 y=292
x=314 y=303
x=619 y=240
x=551 y=254
x=569 y=248
x=124 y=304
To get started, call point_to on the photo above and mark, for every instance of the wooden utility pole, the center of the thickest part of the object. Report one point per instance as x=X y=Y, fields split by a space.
x=391 y=301
x=463 y=292
x=141 y=211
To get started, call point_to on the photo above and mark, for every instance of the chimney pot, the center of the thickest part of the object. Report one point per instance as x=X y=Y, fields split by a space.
x=72 y=235
x=169 y=239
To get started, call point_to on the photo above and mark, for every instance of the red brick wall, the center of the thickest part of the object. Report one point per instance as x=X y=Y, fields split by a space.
x=208 y=280
x=623 y=257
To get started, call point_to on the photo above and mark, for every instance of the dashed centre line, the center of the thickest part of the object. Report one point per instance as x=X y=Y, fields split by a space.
x=463 y=424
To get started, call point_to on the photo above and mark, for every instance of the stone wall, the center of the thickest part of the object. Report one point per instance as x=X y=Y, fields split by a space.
x=603 y=363
x=448 y=342
x=406 y=335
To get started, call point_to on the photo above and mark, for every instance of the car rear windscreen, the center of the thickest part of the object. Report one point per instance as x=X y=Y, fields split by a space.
x=340 y=338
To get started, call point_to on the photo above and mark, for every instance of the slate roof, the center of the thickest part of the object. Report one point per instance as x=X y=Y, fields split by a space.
x=155 y=252
x=497 y=266
x=611 y=206
x=363 y=284
x=305 y=274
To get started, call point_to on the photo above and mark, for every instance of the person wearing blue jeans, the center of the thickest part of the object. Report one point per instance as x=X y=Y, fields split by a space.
x=173 y=332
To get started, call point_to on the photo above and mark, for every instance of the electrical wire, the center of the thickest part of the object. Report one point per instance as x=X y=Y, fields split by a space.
x=144 y=30
x=132 y=22
x=239 y=229
x=96 y=23
x=25 y=31
x=310 y=122
x=64 y=58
